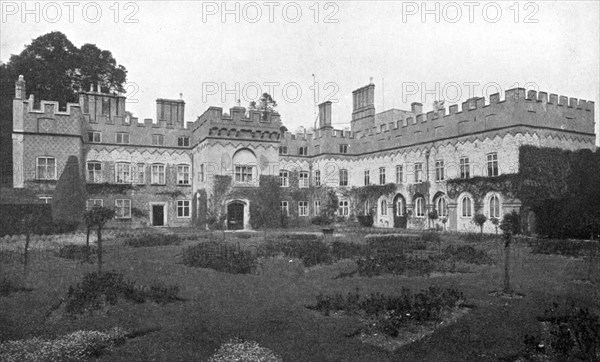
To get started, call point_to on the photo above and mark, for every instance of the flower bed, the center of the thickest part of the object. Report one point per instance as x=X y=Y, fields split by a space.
x=149 y=239
x=574 y=248
x=239 y=350
x=221 y=257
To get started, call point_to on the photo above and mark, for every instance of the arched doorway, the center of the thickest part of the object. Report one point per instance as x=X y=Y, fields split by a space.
x=235 y=216
x=400 y=212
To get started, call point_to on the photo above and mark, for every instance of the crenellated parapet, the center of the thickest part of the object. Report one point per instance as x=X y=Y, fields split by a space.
x=239 y=123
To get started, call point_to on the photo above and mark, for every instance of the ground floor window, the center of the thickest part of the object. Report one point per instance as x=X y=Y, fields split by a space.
x=91 y=202
x=442 y=207
x=183 y=208
x=494 y=207
x=383 y=208
x=420 y=207
x=466 y=207
x=123 y=209
x=302 y=208
x=45 y=199
x=285 y=210
x=317 y=207
x=344 y=208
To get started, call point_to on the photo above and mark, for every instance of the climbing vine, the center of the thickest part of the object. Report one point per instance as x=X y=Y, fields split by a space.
x=108 y=188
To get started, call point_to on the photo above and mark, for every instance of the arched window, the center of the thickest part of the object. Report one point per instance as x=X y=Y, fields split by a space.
x=467 y=207
x=442 y=207
x=383 y=207
x=400 y=207
x=419 y=207
x=494 y=206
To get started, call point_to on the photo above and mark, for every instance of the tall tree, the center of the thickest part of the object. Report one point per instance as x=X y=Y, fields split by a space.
x=56 y=70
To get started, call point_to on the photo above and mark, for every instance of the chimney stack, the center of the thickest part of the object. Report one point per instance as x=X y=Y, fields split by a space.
x=20 y=89
x=325 y=115
x=416 y=108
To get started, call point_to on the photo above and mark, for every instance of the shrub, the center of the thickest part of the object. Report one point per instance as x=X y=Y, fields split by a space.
x=221 y=257
x=321 y=221
x=345 y=250
x=398 y=264
x=74 y=251
x=301 y=237
x=76 y=346
x=395 y=243
x=391 y=313
x=574 y=248
x=98 y=289
x=9 y=286
x=149 y=239
x=431 y=237
x=239 y=350
x=467 y=254
x=311 y=252
x=573 y=334
x=365 y=220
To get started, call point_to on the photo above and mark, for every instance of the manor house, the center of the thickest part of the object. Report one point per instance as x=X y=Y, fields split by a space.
x=169 y=172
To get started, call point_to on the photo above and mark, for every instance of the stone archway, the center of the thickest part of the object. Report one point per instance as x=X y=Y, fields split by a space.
x=235 y=215
x=400 y=218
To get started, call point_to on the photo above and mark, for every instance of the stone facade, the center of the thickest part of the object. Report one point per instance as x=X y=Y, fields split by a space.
x=166 y=172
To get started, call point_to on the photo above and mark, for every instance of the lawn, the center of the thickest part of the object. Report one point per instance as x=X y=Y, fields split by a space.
x=269 y=306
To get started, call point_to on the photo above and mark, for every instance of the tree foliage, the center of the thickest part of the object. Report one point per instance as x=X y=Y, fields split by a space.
x=68 y=201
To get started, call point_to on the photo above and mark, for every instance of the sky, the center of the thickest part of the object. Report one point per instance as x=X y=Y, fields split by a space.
x=304 y=53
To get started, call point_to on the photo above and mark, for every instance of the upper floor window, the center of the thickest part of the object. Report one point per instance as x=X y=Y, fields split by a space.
x=201 y=173
x=439 y=170
x=418 y=172
x=46 y=168
x=243 y=173
x=367 y=177
x=183 y=174
x=303 y=151
x=492 y=164
x=183 y=141
x=94 y=137
x=283 y=150
x=122 y=138
x=303 y=179
x=399 y=174
x=343 y=148
x=141 y=174
x=465 y=168
x=284 y=178
x=343 y=177
x=94 y=172
x=420 y=207
x=285 y=209
x=382 y=175
x=494 y=207
x=302 y=208
x=318 y=178
x=466 y=207
x=344 y=208
x=158 y=140
x=123 y=173
x=123 y=209
x=383 y=207
x=158 y=174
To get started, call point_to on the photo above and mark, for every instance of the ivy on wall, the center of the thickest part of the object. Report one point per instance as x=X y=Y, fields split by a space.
x=479 y=186
x=108 y=188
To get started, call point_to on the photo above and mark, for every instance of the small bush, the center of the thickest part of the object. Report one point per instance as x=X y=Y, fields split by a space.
x=321 y=221
x=76 y=346
x=9 y=286
x=311 y=252
x=391 y=313
x=75 y=252
x=221 y=257
x=572 y=335
x=431 y=237
x=148 y=239
x=365 y=220
x=574 y=248
x=345 y=250
x=467 y=254
x=395 y=243
x=239 y=350
x=98 y=289
x=301 y=237
x=398 y=264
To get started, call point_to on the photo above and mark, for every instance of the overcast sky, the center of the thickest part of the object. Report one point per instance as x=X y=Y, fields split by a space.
x=413 y=53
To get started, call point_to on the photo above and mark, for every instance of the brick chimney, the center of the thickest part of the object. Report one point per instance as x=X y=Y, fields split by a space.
x=325 y=115
x=416 y=108
x=20 y=89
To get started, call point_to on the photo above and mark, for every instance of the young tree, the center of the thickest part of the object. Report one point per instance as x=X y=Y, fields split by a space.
x=98 y=216
x=479 y=220
x=496 y=222
x=332 y=204
x=28 y=224
x=510 y=226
